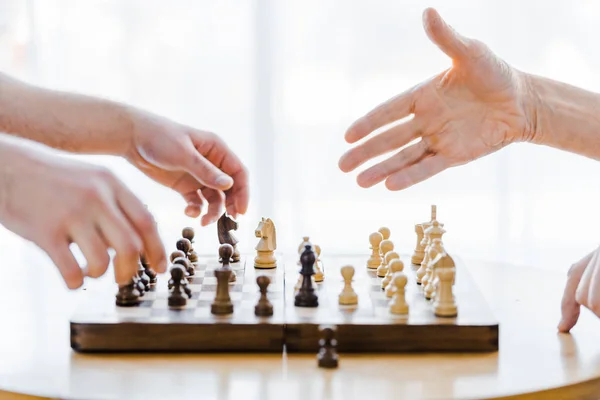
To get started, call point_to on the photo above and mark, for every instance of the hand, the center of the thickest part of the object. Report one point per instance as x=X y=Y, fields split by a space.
x=476 y=107
x=582 y=289
x=197 y=164
x=55 y=202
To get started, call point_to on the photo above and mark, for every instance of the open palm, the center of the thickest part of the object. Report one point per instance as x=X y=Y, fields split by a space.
x=470 y=110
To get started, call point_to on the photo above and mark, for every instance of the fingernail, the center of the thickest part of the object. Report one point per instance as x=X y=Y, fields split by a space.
x=224 y=180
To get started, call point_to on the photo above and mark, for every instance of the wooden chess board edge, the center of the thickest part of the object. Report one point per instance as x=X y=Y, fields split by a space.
x=180 y=337
x=356 y=338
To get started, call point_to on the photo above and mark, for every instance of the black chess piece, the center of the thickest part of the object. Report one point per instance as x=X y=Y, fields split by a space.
x=176 y=254
x=185 y=263
x=306 y=296
x=128 y=295
x=178 y=285
x=188 y=233
x=142 y=277
x=263 y=308
x=226 y=252
x=222 y=304
x=184 y=245
x=328 y=356
x=150 y=273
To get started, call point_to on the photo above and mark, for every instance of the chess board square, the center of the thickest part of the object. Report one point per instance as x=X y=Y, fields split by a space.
x=196 y=280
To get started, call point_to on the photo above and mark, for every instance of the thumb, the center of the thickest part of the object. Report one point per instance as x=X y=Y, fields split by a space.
x=570 y=308
x=443 y=35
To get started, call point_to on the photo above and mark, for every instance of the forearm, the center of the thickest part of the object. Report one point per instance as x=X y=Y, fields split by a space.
x=565 y=117
x=64 y=121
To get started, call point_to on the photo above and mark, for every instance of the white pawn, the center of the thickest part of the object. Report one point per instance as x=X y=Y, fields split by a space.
x=385 y=247
x=348 y=296
x=375 y=239
x=445 y=303
x=389 y=257
x=318 y=276
x=396 y=265
x=385 y=232
x=398 y=304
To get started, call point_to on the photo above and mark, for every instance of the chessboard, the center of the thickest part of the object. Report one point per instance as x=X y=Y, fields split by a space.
x=382 y=302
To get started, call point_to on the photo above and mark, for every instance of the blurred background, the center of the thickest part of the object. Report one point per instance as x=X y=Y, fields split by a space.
x=280 y=81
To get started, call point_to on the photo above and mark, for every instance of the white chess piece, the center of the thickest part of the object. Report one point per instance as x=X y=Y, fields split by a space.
x=445 y=302
x=265 y=249
x=389 y=257
x=398 y=305
x=395 y=265
x=348 y=296
x=375 y=239
x=385 y=232
x=385 y=247
x=318 y=276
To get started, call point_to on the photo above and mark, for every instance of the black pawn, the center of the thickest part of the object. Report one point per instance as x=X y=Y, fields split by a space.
x=263 y=308
x=225 y=254
x=128 y=295
x=176 y=254
x=185 y=263
x=306 y=296
x=184 y=245
x=150 y=273
x=142 y=277
x=177 y=287
x=327 y=356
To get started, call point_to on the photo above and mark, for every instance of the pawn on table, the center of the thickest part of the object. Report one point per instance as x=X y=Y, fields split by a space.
x=396 y=265
x=398 y=305
x=348 y=296
x=327 y=356
x=375 y=240
x=185 y=263
x=222 y=303
x=390 y=255
x=128 y=295
x=176 y=254
x=385 y=247
x=444 y=304
x=263 y=308
x=178 y=285
x=188 y=233
x=225 y=254
x=318 y=276
x=152 y=276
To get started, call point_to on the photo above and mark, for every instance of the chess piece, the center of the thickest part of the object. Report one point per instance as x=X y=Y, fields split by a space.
x=139 y=284
x=445 y=303
x=419 y=252
x=177 y=254
x=305 y=242
x=225 y=254
x=398 y=304
x=185 y=263
x=385 y=247
x=385 y=232
x=374 y=261
x=394 y=266
x=265 y=249
x=327 y=356
x=128 y=295
x=318 y=276
x=184 y=245
x=389 y=257
x=225 y=225
x=263 y=308
x=434 y=255
x=435 y=231
x=222 y=304
x=141 y=272
x=178 y=287
x=348 y=296
x=150 y=273
x=306 y=296
x=188 y=233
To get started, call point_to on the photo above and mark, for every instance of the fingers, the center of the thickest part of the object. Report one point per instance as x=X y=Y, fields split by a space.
x=402 y=159
x=93 y=247
x=216 y=200
x=207 y=173
x=392 y=110
x=570 y=308
x=220 y=156
x=61 y=256
x=391 y=139
x=195 y=202
x=144 y=225
x=440 y=33
x=418 y=172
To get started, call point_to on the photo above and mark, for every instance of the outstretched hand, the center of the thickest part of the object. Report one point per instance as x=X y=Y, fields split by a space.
x=196 y=164
x=474 y=108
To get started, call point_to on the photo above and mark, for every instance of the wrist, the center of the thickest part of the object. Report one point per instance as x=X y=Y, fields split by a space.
x=530 y=130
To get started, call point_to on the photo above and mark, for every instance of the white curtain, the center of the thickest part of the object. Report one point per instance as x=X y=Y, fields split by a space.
x=281 y=81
